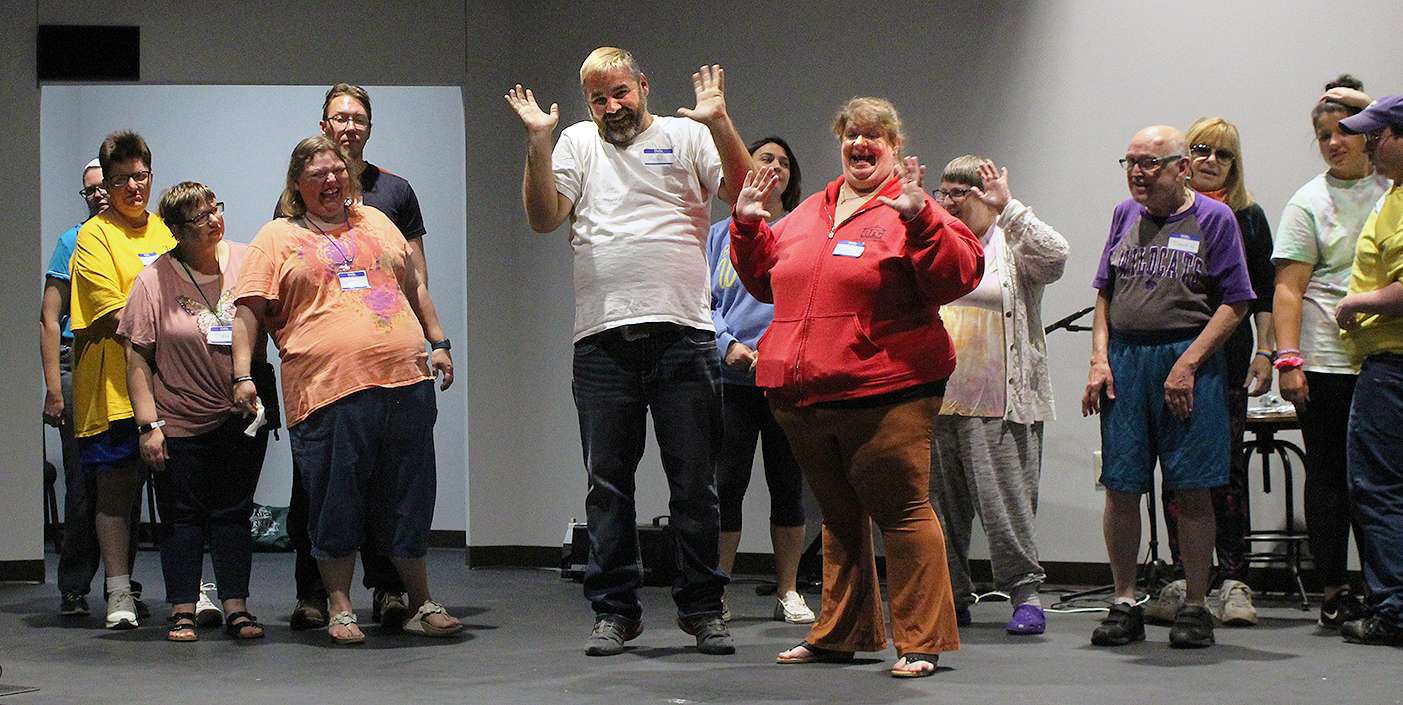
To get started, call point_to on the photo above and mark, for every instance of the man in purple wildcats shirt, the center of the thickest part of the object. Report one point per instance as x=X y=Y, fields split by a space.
x=1172 y=287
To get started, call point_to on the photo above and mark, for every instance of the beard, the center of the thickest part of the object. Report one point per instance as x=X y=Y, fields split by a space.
x=621 y=127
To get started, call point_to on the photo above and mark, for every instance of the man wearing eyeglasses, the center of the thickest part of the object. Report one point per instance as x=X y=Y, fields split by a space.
x=1173 y=285
x=345 y=118
x=111 y=249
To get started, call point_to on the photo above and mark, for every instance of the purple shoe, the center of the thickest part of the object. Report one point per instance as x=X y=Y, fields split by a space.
x=1027 y=619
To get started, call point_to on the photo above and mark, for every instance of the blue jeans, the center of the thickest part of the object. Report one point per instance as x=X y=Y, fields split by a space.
x=1375 y=451
x=619 y=376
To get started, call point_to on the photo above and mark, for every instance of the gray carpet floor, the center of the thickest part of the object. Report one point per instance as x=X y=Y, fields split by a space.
x=524 y=645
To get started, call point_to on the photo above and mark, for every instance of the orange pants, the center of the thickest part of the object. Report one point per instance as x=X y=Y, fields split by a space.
x=868 y=465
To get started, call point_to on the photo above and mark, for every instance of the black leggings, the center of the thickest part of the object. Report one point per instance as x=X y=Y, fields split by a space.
x=1329 y=512
x=746 y=419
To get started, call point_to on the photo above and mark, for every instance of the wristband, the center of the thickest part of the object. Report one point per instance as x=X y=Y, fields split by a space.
x=1289 y=363
x=444 y=344
x=243 y=378
x=146 y=428
x=1270 y=355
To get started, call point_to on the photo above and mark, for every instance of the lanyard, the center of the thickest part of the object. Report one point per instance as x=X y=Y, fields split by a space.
x=345 y=265
x=198 y=288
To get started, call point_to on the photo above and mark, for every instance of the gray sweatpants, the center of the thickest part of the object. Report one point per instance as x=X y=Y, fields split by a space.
x=990 y=468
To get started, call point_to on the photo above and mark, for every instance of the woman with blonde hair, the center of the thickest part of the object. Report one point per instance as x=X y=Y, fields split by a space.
x=854 y=366
x=1216 y=171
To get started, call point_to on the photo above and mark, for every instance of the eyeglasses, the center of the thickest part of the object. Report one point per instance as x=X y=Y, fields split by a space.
x=89 y=191
x=120 y=180
x=320 y=175
x=1148 y=165
x=203 y=218
x=1203 y=151
x=952 y=194
x=343 y=120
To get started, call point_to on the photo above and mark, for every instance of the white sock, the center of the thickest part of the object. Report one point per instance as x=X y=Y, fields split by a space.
x=119 y=582
x=1026 y=594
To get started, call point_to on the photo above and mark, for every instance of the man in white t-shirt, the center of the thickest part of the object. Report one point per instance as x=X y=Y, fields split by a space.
x=636 y=188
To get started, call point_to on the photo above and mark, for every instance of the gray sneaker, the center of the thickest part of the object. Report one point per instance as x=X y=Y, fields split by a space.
x=121 y=610
x=1165 y=606
x=713 y=637
x=609 y=634
x=1235 y=604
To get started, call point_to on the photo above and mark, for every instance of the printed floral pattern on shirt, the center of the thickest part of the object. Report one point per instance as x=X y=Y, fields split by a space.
x=222 y=315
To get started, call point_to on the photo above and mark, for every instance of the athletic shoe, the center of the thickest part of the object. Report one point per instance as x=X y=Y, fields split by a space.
x=142 y=610
x=713 y=637
x=1165 y=607
x=1345 y=606
x=725 y=610
x=1193 y=628
x=1026 y=620
x=962 y=616
x=1235 y=604
x=121 y=610
x=1123 y=624
x=609 y=634
x=1372 y=631
x=73 y=604
x=791 y=608
x=389 y=608
x=207 y=613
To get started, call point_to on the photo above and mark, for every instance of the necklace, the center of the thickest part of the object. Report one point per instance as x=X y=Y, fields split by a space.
x=345 y=264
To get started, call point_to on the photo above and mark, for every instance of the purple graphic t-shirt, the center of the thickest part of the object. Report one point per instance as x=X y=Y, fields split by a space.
x=1166 y=276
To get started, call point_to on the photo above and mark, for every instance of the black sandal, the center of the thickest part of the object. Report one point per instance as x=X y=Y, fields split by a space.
x=182 y=622
x=913 y=657
x=817 y=654
x=235 y=628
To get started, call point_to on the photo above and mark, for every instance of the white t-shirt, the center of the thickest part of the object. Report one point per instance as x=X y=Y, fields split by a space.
x=1320 y=226
x=640 y=222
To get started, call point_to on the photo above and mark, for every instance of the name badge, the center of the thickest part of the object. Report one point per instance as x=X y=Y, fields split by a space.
x=220 y=335
x=147 y=258
x=848 y=248
x=657 y=156
x=1184 y=243
x=353 y=280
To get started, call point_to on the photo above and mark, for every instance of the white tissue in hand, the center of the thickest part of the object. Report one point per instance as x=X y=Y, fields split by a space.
x=258 y=419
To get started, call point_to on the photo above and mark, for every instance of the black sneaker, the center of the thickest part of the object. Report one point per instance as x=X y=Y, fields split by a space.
x=1372 y=631
x=1193 y=628
x=1344 y=607
x=609 y=634
x=710 y=630
x=73 y=604
x=1122 y=625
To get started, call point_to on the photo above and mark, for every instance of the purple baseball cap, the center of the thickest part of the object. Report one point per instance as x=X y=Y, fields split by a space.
x=1381 y=113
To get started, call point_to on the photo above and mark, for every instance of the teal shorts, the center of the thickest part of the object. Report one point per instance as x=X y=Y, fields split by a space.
x=1137 y=429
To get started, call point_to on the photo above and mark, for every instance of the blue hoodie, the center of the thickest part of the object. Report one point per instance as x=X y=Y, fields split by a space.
x=738 y=316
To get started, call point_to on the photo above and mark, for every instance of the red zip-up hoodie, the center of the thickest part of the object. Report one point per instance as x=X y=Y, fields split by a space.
x=856 y=303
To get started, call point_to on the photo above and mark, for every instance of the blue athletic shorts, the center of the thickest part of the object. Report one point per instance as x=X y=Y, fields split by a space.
x=1137 y=428
x=117 y=446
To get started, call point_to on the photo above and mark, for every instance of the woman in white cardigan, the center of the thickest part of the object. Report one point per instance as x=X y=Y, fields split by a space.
x=987 y=446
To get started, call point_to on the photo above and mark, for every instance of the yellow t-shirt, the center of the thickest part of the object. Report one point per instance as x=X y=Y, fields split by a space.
x=1378 y=262
x=106 y=259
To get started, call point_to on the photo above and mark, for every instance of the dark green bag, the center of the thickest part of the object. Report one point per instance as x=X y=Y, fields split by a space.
x=269 y=529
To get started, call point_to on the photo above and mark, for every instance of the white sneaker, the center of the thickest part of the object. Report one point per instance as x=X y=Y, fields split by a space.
x=121 y=610
x=1235 y=604
x=791 y=608
x=1163 y=608
x=207 y=612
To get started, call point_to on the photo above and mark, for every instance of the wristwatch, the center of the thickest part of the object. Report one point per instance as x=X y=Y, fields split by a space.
x=149 y=427
x=444 y=344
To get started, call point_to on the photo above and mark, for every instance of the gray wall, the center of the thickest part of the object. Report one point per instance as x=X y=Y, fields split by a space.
x=1052 y=89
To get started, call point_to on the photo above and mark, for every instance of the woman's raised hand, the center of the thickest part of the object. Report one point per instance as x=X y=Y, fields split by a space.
x=754 y=194
x=912 y=174
x=535 y=119
x=995 y=193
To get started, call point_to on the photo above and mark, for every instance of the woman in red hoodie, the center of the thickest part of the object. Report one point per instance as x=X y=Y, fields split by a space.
x=855 y=365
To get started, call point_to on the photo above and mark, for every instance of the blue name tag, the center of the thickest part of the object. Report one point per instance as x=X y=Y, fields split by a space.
x=848 y=248
x=353 y=280
x=147 y=258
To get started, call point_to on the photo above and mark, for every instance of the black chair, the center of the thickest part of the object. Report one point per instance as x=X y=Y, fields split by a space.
x=1264 y=425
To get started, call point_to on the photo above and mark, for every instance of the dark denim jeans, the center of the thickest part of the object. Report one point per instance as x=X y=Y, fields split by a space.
x=1375 y=449
x=621 y=375
x=206 y=492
